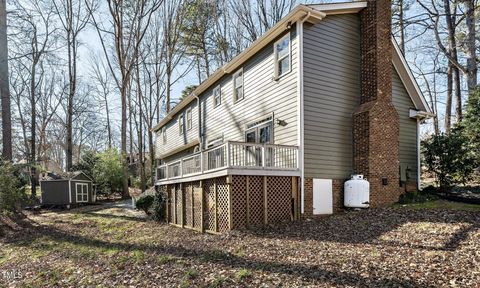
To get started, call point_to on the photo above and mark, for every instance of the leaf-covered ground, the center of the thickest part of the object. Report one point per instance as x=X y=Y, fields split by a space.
x=403 y=246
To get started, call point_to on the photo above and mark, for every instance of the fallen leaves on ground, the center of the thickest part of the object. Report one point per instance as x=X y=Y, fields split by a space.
x=116 y=247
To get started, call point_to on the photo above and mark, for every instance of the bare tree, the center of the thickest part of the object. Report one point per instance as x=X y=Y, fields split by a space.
x=4 y=89
x=101 y=75
x=35 y=21
x=130 y=23
x=73 y=18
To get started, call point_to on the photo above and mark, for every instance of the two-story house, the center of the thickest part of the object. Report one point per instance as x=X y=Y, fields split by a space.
x=274 y=134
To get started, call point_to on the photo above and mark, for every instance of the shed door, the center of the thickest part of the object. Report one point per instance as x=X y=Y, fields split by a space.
x=82 y=192
x=322 y=196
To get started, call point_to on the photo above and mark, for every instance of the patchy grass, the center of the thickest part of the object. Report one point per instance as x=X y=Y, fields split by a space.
x=443 y=204
x=431 y=244
x=243 y=274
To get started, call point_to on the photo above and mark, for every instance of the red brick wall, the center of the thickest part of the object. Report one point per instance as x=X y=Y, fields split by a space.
x=376 y=122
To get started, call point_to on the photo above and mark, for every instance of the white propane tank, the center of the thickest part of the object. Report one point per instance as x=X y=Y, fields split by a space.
x=357 y=192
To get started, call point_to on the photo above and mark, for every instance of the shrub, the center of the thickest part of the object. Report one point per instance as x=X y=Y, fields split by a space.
x=10 y=192
x=159 y=206
x=427 y=194
x=144 y=203
x=108 y=171
x=450 y=157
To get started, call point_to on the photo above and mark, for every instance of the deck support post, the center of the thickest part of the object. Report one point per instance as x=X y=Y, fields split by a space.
x=202 y=226
x=182 y=206
x=265 y=200
x=229 y=187
x=295 y=199
x=247 y=187
x=215 y=203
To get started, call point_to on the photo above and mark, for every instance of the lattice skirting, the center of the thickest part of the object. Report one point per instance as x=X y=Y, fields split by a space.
x=220 y=204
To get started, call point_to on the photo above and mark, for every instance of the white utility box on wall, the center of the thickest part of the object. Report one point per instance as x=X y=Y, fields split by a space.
x=322 y=196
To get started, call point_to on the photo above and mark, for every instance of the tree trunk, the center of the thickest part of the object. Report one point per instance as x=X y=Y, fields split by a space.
x=109 y=128
x=152 y=156
x=140 y=132
x=448 y=101
x=123 y=137
x=402 y=27
x=33 y=125
x=458 y=95
x=471 y=47
x=4 y=89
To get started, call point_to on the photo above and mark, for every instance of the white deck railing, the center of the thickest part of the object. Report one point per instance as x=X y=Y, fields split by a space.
x=237 y=155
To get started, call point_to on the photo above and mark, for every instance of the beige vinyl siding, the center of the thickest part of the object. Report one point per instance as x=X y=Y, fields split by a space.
x=331 y=94
x=408 y=126
x=262 y=97
x=174 y=138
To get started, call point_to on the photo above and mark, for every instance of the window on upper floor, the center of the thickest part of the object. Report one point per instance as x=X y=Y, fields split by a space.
x=189 y=119
x=164 y=135
x=181 y=126
x=282 y=56
x=238 y=86
x=217 y=96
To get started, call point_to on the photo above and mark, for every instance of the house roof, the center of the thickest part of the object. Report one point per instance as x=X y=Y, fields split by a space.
x=312 y=13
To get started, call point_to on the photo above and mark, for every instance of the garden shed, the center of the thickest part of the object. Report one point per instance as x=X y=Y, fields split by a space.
x=67 y=189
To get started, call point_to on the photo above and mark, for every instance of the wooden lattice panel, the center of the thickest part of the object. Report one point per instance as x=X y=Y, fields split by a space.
x=223 y=208
x=197 y=205
x=209 y=207
x=239 y=202
x=256 y=201
x=178 y=204
x=279 y=205
x=188 y=194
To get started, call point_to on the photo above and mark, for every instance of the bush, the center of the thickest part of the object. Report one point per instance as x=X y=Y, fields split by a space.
x=11 y=195
x=427 y=194
x=144 y=203
x=107 y=171
x=159 y=206
x=450 y=157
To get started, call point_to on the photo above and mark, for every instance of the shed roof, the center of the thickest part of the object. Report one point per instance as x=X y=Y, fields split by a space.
x=64 y=176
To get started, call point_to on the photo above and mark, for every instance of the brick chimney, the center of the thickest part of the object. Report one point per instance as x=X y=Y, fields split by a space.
x=375 y=121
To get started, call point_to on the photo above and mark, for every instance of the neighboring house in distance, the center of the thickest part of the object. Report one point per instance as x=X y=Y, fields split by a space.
x=274 y=134
x=67 y=189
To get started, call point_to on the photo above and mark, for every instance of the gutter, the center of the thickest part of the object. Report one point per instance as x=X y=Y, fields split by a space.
x=199 y=123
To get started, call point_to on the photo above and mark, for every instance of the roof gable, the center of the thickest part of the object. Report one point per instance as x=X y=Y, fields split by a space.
x=312 y=13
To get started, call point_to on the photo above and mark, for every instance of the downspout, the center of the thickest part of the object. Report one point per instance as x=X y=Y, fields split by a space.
x=200 y=143
x=300 y=111
x=419 y=166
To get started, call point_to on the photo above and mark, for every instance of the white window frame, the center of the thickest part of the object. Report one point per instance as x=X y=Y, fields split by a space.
x=277 y=60
x=164 y=135
x=181 y=126
x=219 y=91
x=81 y=194
x=189 y=119
x=235 y=96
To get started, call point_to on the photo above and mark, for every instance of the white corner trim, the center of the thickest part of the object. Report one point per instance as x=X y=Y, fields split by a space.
x=301 y=119
x=419 y=165
x=410 y=83
x=69 y=191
